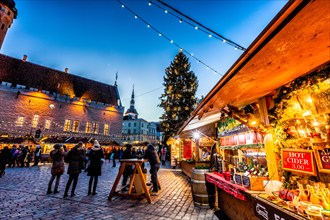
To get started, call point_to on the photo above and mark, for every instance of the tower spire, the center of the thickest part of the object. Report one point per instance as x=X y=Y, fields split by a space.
x=116 y=78
x=131 y=112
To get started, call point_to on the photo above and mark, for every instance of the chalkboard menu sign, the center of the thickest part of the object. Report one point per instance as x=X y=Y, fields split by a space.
x=322 y=102
x=246 y=182
x=238 y=179
x=323 y=160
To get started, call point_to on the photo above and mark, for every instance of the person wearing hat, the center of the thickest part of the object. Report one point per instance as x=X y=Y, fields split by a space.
x=95 y=156
x=75 y=158
x=57 y=169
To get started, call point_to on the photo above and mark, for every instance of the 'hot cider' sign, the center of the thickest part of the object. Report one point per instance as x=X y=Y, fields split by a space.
x=298 y=161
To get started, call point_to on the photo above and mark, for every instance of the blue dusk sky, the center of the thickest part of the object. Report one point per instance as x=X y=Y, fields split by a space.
x=97 y=38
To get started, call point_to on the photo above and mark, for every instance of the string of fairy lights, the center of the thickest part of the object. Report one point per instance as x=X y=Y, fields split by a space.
x=13 y=127
x=195 y=24
x=171 y=41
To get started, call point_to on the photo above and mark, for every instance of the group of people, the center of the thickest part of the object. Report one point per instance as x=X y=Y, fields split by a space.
x=76 y=158
x=20 y=156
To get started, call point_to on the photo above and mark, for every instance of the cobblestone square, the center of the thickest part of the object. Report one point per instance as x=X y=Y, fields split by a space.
x=23 y=196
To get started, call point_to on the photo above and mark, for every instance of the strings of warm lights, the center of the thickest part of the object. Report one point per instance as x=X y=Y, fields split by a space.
x=160 y=34
x=196 y=25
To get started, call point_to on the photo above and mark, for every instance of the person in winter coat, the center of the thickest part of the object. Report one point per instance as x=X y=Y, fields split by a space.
x=4 y=158
x=75 y=158
x=127 y=154
x=152 y=156
x=163 y=155
x=95 y=156
x=23 y=155
x=13 y=153
x=37 y=155
x=57 y=169
x=113 y=156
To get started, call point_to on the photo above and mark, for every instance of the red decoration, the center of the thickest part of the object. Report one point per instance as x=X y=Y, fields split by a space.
x=298 y=161
x=187 y=149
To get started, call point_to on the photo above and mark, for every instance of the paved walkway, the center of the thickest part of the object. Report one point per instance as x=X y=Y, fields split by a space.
x=23 y=196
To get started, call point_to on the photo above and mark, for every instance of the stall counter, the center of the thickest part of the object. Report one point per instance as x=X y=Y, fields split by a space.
x=237 y=202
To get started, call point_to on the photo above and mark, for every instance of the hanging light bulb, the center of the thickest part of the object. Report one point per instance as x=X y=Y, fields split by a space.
x=148 y=25
x=210 y=35
x=171 y=41
x=149 y=3
x=196 y=28
x=223 y=41
x=180 y=21
x=135 y=17
x=166 y=11
x=159 y=34
x=123 y=6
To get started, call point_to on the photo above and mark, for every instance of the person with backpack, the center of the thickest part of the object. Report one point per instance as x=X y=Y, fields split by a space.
x=57 y=169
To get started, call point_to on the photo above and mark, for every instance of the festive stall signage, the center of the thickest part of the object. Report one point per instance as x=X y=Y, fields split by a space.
x=267 y=211
x=322 y=102
x=323 y=160
x=205 y=142
x=301 y=161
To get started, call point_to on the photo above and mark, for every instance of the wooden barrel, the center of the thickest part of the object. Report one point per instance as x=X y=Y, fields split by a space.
x=202 y=191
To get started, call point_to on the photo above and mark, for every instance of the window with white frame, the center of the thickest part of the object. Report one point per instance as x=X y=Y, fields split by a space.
x=48 y=123
x=67 y=125
x=88 y=127
x=106 y=129
x=35 y=121
x=20 y=121
x=75 y=126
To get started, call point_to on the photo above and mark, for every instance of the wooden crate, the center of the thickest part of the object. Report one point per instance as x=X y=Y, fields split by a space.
x=257 y=183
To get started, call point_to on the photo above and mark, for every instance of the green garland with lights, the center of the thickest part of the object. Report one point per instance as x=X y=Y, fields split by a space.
x=276 y=115
x=243 y=146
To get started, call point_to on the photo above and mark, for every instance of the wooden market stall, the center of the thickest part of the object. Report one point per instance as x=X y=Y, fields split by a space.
x=278 y=93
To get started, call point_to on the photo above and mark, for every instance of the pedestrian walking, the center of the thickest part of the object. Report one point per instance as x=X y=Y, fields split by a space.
x=163 y=155
x=14 y=154
x=152 y=156
x=94 y=168
x=37 y=155
x=57 y=169
x=113 y=156
x=75 y=158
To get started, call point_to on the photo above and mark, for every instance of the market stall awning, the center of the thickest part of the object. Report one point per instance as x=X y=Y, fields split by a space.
x=296 y=42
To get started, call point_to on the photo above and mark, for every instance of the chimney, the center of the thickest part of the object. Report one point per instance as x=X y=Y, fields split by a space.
x=66 y=70
x=24 y=58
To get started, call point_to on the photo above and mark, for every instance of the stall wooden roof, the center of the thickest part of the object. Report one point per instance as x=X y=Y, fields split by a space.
x=295 y=42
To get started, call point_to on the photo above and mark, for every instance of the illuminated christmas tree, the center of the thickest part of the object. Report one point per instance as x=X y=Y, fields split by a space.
x=178 y=99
